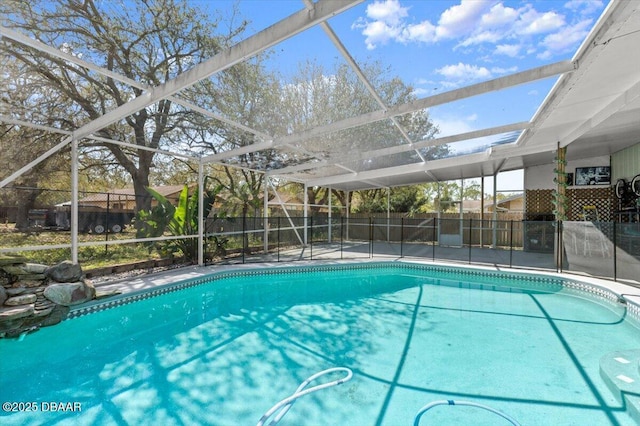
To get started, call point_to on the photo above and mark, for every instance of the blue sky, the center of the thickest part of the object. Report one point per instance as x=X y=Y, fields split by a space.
x=438 y=45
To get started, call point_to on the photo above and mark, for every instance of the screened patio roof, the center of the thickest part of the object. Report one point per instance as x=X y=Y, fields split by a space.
x=593 y=109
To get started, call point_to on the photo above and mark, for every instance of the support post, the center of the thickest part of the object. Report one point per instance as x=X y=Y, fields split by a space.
x=433 y=245
x=347 y=213
x=439 y=215
x=511 y=244
x=244 y=239
x=482 y=212
x=265 y=215
x=306 y=207
x=560 y=199
x=74 y=201
x=201 y=218
x=494 y=237
x=401 y=235
x=470 y=229
x=388 y=212
x=341 y=234
x=329 y=217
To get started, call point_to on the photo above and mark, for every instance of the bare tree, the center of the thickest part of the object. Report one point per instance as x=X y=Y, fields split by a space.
x=148 y=41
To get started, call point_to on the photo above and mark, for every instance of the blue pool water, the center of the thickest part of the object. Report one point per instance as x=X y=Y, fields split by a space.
x=224 y=351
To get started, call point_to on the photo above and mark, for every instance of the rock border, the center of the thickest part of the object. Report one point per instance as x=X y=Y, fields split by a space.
x=34 y=295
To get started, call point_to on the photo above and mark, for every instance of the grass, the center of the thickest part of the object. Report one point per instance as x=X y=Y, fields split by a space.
x=89 y=257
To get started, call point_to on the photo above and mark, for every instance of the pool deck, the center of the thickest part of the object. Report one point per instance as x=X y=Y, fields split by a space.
x=630 y=292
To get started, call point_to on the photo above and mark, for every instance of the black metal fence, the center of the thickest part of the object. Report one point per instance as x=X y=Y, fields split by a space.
x=604 y=249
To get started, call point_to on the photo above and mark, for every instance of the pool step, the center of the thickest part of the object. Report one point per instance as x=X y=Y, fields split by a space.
x=621 y=372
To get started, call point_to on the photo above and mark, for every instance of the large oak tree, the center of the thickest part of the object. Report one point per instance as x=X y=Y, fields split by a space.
x=148 y=41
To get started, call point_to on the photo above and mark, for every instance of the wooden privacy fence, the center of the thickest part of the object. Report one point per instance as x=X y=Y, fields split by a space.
x=470 y=231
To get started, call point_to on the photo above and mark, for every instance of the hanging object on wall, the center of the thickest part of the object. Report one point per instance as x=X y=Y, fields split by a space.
x=560 y=200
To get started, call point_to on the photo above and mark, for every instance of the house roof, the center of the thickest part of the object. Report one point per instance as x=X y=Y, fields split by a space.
x=126 y=194
x=474 y=205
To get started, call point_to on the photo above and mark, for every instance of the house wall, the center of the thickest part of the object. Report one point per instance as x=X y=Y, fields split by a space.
x=541 y=177
x=516 y=205
x=625 y=164
x=539 y=185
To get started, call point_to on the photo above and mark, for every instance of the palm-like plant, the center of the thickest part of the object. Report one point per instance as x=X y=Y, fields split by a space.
x=181 y=220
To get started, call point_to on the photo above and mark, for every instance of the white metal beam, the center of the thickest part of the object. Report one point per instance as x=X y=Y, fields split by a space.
x=286 y=212
x=442 y=98
x=516 y=79
x=399 y=170
x=33 y=163
x=363 y=78
x=241 y=51
x=10 y=120
x=27 y=41
x=383 y=152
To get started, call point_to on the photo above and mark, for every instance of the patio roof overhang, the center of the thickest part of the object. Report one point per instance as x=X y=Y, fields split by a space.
x=593 y=110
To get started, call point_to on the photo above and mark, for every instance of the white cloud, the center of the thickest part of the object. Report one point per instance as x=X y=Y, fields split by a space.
x=387 y=22
x=584 y=7
x=461 y=19
x=460 y=74
x=452 y=125
x=511 y=50
x=565 y=40
x=388 y=11
x=499 y=15
x=513 y=32
x=482 y=37
x=378 y=33
x=464 y=72
x=498 y=70
x=424 y=32
x=533 y=22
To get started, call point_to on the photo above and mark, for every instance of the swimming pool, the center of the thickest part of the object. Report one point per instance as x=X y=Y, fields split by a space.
x=223 y=349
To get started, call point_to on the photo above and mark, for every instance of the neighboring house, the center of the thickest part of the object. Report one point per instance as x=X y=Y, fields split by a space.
x=292 y=203
x=108 y=211
x=512 y=204
x=124 y=199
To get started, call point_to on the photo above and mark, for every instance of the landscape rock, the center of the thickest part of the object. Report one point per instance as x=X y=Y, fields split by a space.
x=65 y=272
x=15 y=312
x=10 y=325
x=33 y=277
x=44 y=312
x=35 y=268
x=14 y=291
x=69 y=294
x=30 y=283
x=24 y=299
x=11 y=260
x=57 y=315
x=5 y=278
x=15 y=270
x=34 y=296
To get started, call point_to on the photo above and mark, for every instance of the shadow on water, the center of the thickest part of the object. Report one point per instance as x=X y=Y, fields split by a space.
x=225 y=353
x=167 y=353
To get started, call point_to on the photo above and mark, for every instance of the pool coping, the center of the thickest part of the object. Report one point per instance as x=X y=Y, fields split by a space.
x=130 y=290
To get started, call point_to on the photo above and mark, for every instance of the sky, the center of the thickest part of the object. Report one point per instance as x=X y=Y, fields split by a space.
x=438 y=45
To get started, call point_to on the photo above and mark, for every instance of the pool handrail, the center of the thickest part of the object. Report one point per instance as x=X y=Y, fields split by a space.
x=430 y=405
